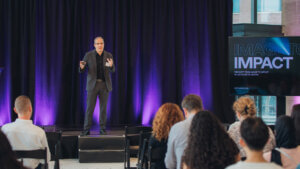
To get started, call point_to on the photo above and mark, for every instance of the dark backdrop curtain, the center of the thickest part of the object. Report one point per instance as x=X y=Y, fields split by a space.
x=163 y=50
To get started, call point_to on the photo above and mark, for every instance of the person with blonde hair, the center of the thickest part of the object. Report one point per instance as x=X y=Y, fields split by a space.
x=245 y=107
x=24 y=135
x=166 y=116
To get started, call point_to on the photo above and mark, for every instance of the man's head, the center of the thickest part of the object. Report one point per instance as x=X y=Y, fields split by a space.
x=23 y=107
x=191 y=104
x=99 y=44
x=255 y=133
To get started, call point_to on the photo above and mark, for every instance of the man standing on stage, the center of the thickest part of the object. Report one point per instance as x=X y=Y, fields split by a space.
x=99 y=63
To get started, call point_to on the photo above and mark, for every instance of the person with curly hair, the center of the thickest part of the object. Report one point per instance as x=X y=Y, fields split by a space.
x=254 y=136
x=8 y=159
x=178 y=136
x=245 y=107
x=209 y=145
x=166 y=116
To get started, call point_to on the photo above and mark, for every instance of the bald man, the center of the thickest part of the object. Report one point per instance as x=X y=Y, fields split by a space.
x=23 y=134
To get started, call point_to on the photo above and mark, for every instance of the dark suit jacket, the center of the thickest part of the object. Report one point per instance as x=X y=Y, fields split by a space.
x=91 y=65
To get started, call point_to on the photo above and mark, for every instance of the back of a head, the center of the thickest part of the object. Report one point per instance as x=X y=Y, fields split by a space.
x=207 y=142
x=296 y=118
x=167 y=115
x=245 y=106
x=192 y=102
x=285 y=132
x=22 y=104
x=255 y=133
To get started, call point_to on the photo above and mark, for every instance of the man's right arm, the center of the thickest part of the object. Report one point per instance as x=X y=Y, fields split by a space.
x=170 y=159
x=85 y=60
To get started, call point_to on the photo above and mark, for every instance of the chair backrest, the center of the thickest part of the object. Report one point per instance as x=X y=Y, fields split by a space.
x=132 y=141
x=54 y=142
x=142 y=158
x=35 y=154
x=132 y=134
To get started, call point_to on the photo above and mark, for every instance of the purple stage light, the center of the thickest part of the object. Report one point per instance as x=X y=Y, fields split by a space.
x=152 y=100
x=5 y=110
x=96 y=113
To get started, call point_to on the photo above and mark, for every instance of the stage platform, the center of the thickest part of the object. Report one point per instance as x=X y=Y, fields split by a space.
x=92 y=148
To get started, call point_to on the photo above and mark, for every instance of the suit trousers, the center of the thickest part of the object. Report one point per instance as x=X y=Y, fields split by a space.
x=101 y=91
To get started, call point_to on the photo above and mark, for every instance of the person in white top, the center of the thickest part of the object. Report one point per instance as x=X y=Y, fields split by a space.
x=23 y=134
x=254 y=136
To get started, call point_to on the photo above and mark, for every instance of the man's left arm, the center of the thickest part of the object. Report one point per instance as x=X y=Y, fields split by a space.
x=110 y=61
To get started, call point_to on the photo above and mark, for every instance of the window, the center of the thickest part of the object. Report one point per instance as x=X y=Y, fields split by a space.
x=268 y=11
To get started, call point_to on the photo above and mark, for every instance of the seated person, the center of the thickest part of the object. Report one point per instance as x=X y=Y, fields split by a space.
x=254 y=136
x=245 y=107
x=295 y=114
x=166 y=116
x=23 y=134
x=209 y=145
x=8 y=159
x=286 y=142
x=178 y=136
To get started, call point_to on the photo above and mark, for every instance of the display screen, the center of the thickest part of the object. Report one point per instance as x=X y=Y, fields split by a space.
x=264 y=66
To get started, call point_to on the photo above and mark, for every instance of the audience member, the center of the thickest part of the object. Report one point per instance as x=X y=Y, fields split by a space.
x=177 y=141
x=209 y=145
x=23 y=134
x=8 y=159
x=255 y=135
x=167 y=115
x=296 y=118
x=245 y=107
x=286 y=142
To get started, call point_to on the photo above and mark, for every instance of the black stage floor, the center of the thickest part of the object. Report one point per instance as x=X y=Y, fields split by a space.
x=69 y=139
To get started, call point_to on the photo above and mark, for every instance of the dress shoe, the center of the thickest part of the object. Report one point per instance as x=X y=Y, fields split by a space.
x=85 y=133
x=102 y=132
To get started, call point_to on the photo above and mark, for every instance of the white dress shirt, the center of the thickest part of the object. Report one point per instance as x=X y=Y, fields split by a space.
x=24 y=135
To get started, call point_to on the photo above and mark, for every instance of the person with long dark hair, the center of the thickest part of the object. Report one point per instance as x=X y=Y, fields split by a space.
x=166 y=116
x=8 y=159
x=287 y=152
x=254 y=136
x=296 y=119
x=209 y=145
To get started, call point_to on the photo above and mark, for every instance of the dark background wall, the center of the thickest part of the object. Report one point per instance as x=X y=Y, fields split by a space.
x=163 y=50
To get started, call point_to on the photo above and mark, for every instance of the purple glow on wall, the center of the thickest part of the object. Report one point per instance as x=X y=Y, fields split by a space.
x=137 y=95
x=137 y=90
x=191 y=75
x=5 y=110
x=152 y=99
x=151 y=104
x=5 y=104
x=48 y=66
x=45 y=103
x=96 y=114
x=206 y=75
